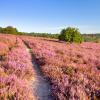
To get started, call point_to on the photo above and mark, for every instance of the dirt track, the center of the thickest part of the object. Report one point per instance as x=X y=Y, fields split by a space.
x=41 y=87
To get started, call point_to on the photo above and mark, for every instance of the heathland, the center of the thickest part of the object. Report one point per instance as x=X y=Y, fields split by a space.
x=40 y=68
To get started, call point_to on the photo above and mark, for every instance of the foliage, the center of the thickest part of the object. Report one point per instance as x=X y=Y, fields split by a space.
x=12 y=30
x=47 y=35
x=91 y=37
x=70 y=35
x=8 y=30
x=86 y=37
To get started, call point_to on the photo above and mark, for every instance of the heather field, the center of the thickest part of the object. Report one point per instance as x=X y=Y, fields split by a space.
x=15 y=69
x=72 y=69
x=50 y=50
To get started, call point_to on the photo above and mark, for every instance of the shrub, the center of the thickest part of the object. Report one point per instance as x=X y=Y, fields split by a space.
x=70 y=35
x=8 y=30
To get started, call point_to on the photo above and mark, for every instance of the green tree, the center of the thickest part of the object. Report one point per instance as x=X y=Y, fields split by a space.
x=0 y=29
x=10 y=30
x=71 y=35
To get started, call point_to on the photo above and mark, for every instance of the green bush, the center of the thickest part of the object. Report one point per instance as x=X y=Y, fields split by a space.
x=8 y=30
x=71 y=35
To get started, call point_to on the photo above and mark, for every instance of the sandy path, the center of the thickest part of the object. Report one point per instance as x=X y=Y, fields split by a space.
x=41 y=87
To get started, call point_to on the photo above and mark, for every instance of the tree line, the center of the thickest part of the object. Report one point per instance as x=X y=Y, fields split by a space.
x=69 y=34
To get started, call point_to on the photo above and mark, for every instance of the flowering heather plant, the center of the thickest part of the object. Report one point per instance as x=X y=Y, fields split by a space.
x=15 y=70
x=12 y=88
x=3 y=49
x=19 y=62
x=8 y=39
x=73 y=69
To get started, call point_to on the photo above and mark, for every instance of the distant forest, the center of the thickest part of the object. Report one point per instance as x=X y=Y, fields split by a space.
x=11 y=30
x=91 y=37
x=87 y=37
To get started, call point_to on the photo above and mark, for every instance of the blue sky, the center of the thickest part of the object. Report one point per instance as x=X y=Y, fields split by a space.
x=50 y=15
